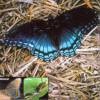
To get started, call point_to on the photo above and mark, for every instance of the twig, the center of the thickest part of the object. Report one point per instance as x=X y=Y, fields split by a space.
x=89 y=34
x=66 y=80
x=61 y=96
x=25 y=67
x=26 y=1
x=53 y=2
x=89 y=49
x=4 y=10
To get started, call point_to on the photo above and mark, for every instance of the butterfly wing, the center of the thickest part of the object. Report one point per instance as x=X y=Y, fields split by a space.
x=75 y=23
x=13 y=89
x=68 y=43
x=33 y=36
x=79 y=19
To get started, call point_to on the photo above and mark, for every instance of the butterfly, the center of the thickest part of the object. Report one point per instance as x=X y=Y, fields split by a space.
x=12 y=90
x=57 y=36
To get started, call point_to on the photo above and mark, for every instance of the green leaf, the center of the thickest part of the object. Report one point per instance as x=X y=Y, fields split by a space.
x=31 y=85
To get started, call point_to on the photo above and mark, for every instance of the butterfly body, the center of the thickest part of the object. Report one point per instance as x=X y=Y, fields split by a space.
x=59 y=36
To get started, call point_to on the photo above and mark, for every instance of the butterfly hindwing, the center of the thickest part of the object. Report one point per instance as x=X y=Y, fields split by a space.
x=44 y=48
x=69 y=42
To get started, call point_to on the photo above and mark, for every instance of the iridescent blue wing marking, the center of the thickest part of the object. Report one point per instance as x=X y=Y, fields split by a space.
x=34 y=37
x=69 y=42
x=75 y=23
x=43 y=48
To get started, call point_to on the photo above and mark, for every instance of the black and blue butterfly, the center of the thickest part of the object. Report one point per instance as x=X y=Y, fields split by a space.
x=59 y=36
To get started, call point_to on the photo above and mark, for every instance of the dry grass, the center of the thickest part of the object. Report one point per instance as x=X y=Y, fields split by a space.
x=71 y=78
